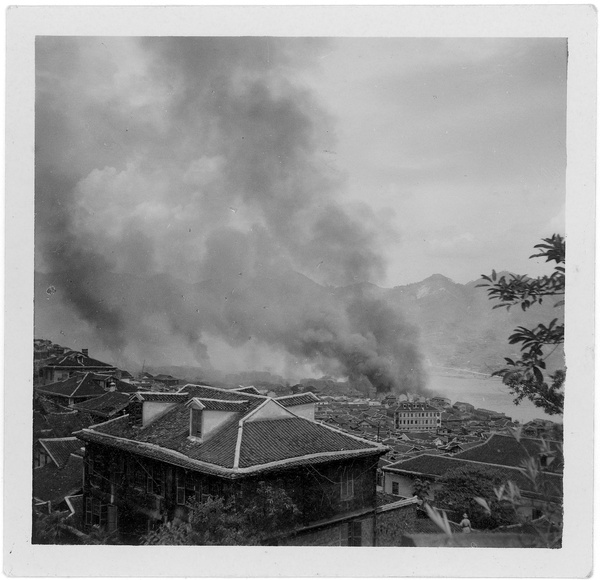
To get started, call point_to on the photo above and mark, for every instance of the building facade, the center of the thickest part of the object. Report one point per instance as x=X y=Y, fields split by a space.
x=417 y=417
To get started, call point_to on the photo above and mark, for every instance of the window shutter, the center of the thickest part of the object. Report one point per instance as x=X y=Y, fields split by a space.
x=344 y=535
x=180 y=485
x=196 y=423
x=88 y=511
x=112 y=518
x=356 y=534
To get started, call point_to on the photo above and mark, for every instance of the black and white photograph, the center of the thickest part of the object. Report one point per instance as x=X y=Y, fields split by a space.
x=295 y=290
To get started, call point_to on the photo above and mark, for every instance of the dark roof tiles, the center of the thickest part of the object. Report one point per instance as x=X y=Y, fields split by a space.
x=105 y=405
x=60 y=449
x=278 y=436
x=270 y=441
x=299 y=399
x=52 y=484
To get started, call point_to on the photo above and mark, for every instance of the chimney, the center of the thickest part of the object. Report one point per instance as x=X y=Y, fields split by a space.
x=84 y=352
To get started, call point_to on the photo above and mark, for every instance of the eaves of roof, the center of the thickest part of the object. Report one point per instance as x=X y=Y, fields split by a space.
x=172 y=457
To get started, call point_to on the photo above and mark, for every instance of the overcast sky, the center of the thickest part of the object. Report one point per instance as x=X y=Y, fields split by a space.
x=451 y=150
x=460 y=141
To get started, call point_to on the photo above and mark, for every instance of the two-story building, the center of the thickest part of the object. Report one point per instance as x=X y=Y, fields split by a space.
x=417 y=417
x=142 y=468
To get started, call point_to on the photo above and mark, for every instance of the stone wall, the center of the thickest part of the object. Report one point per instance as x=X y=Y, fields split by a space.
x=393 y=524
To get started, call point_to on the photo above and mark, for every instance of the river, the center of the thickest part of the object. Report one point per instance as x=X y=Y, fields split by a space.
x=487 y=393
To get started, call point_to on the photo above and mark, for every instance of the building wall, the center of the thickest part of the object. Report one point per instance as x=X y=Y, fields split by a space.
x=405 y=484
x=306 y=411
x=336 y=534
x=393 y=524
x=417 y=420
x=144 y=492
x=151 y=410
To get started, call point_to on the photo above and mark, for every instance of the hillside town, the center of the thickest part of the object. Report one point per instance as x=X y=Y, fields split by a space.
x=120 y=458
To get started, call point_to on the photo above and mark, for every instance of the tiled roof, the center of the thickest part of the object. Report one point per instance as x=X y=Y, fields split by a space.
x=78 y=359
x=253 y=390
x=437 y=465
x=251 y=439
x=105 y=405
x=506 y=450
x=163 y=397
x=60 y=448
x=415 y=407
x=52 y=484
x=232 y=406
x=206 y=392
x=299 y=399
x=82 y=385
x=268 y=441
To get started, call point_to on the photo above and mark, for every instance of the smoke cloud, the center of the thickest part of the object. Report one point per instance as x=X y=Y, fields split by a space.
x=183 y=193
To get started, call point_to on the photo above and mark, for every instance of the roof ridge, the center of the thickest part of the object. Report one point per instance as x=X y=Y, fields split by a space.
x=241 y=402
x=342 y=432
x=222 y=390
x=446 y=457
x=297 y=395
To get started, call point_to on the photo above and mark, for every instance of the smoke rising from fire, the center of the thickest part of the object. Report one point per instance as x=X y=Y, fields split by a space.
x=183 y=192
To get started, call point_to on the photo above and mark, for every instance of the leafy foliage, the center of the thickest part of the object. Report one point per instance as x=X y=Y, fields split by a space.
x=233 y=522
x=548 y=527
x=48 y=528
x=460 y=487
x=421 y=488
x=526 y=376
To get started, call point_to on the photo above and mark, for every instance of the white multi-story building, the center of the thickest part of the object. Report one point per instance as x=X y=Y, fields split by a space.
x=417 y=417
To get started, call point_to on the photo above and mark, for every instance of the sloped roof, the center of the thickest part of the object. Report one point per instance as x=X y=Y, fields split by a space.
x=247 y=390
x=437 y=465
x=83 y=385
x=405 y=406
x=52 y=484
x=506 y=450
x=299 y=399
x=60 y=448
x=261 y=434
x=75 y=358
x=162 y=397
x=105 y=405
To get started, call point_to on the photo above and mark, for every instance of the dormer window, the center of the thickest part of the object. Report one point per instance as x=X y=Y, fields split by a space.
x=196 y=423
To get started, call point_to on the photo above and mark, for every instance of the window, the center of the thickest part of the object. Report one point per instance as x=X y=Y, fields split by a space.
x=395 y=488
x=196 y=423
x=347 y=486
x=41 y=458
x=351 y=534
x=187 y=487
x=95 y=512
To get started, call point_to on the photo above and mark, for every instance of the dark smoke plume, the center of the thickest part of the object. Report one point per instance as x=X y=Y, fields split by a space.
x=182 y=195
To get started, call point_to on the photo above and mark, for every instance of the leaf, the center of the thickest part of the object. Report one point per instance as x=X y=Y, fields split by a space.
x=538 y=374
x=483 y=504
x=441 y=521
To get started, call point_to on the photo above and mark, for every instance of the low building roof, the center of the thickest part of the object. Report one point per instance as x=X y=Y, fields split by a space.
x=77 y=359
x=506 y=450
x=105 y=405
x=83 y=385
x=435 y=466
x=52 y=484
x=261 y=435
x=60 y=448
x=298 y=399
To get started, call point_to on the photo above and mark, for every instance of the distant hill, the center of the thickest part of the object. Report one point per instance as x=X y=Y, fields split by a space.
x=458 y=328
